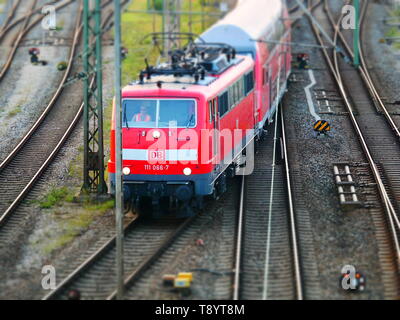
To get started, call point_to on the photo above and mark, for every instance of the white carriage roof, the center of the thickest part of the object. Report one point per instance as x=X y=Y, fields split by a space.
x=251 y=19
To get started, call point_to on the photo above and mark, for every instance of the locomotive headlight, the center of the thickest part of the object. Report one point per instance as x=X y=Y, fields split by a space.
x=187 y=171
x=126 y=171
x=156 y=134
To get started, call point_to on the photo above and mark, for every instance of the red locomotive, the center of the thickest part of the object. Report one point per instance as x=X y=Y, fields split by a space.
x=187 y=123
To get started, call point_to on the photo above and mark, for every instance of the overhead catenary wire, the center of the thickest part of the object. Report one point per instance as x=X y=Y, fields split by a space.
x=321 y=29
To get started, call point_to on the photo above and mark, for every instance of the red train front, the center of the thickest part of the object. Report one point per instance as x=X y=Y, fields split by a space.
x=173 y=145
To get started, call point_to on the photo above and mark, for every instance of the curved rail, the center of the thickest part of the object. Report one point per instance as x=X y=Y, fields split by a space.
x=392 y=216
x=37 y=124
x=109 y=248
x=17 y=41
x=7 y=27
x=335 y=70
x=146 y=264
x=10 y=16
x=87 y=264
x=363 y=69
x=35 y=127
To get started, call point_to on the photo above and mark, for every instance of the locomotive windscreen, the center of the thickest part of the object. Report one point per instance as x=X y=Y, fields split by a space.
x=159 y=113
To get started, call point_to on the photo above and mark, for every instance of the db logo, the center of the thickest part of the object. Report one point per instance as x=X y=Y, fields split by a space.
x=156 y=155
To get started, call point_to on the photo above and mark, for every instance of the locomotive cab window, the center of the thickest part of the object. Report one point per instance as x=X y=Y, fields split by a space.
x=164 y=113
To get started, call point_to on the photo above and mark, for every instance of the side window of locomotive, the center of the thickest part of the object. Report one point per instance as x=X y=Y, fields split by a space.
x=241 y=88
x=231 y=97
x=238 y=93
x=210 y=111
x=249 y=82
x=235 y=94
x=223 y=104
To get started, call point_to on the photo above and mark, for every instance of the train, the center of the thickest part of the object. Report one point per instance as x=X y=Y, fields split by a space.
x=187 y=123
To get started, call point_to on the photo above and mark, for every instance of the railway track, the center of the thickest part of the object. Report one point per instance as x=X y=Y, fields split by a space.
x=379 y=144
x=40 y=145
x=36 y=146
x=17 y=39
x=11 y=22
x=9 y=17
x=26 y=27
x=268 y=262
x=144 y=243
x=153 y=248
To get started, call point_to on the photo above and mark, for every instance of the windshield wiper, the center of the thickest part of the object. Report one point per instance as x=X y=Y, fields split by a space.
x=126 y=119
x=190 y=121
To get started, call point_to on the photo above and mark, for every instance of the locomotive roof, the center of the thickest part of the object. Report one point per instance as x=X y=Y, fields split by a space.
x=172 y=85
x=251 y=19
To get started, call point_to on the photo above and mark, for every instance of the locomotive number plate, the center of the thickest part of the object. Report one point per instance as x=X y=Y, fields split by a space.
x=160 y=167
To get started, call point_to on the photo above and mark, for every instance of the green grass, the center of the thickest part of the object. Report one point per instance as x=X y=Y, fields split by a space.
x=56 y=197
x=100 y=207
x=60 y=25
x=396 y=13
x=393 y=32
x=73 y=223
x=395 y=16
x=14 y=112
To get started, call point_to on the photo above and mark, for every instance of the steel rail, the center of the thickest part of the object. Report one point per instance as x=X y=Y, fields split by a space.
x=87 y=263
x=10 y=16
x=363 y=69
x=393 y=219
x=292 y=214
x=334 y=67
x=147 y=263
x=311 y=8
x=53 y=100
x=237 y=269
x=57 y=148
x=17 y=40
x=371 y=88
x=293 y=231
x=19 y=20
